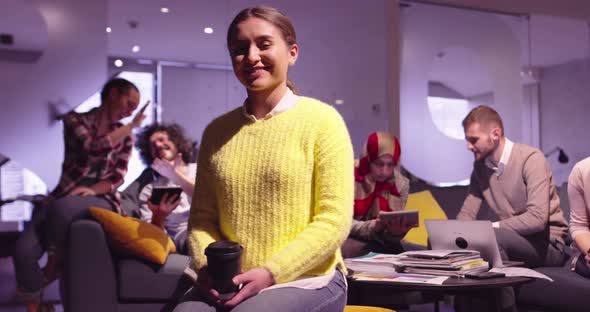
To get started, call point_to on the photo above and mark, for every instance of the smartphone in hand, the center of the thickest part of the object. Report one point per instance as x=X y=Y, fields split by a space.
x=145 y=106
x=158 y=193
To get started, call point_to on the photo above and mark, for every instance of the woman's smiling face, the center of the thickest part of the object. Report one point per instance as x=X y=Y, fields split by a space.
x=260 y=55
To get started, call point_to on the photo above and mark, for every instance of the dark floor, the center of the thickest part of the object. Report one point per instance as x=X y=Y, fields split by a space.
x=8 y=301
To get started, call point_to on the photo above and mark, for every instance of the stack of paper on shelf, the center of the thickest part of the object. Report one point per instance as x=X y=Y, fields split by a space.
x=442 y=262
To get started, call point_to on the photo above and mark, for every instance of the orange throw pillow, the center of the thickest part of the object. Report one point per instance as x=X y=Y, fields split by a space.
x=133 y=236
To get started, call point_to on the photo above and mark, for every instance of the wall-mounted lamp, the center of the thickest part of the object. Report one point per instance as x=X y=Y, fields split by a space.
x=562 y=158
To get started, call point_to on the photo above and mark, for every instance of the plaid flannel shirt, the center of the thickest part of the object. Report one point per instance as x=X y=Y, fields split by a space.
x=89 y=156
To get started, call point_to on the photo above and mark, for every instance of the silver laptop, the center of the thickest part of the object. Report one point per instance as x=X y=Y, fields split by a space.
x=474 y=235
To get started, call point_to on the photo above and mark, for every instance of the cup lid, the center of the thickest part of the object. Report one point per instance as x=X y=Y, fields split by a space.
x=223 y=247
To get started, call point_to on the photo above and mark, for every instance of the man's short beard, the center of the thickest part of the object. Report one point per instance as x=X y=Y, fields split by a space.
x=492 y=147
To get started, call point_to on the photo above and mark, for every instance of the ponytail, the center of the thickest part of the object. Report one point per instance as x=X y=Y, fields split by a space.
x=292 y=86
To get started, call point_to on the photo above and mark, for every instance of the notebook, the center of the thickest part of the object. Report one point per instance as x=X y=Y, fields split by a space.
x=457 y=234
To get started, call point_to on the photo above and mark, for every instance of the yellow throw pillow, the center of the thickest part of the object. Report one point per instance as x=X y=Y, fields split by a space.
x=135 y=237
x=428 y=208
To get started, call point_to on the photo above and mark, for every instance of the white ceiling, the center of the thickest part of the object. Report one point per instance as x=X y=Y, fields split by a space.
x=178 y=36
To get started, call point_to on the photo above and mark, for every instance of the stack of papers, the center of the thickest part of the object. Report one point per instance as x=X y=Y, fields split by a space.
x=382 y=268
x=400 y=278
x=442 y=262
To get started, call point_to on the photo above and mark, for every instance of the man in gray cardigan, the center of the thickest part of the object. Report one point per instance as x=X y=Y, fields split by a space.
x=517 y=184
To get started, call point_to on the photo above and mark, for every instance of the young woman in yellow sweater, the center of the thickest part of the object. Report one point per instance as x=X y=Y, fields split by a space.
x=274 y=175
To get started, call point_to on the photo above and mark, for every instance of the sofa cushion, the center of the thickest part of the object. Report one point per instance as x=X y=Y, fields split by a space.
x=132 y=236
x=142 y=280
x=567 y=292
x=429 y=209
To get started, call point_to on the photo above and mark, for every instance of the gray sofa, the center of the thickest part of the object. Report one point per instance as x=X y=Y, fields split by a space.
x=566 y=293
x=98 y=279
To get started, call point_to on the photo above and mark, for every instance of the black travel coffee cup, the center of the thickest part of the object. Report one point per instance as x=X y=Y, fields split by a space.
x=224 y=261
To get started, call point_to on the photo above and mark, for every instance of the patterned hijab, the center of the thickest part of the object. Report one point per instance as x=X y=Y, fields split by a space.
x=371 y=196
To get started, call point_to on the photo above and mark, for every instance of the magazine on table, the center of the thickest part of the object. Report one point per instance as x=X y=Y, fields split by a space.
x=372 y=262
x=377 y=258
x=382 y=268
x=442 y=262
x=399 y=278
x=471 y=268
x=439 y=254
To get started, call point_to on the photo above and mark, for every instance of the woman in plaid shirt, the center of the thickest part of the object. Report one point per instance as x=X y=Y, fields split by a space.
x=97 y=149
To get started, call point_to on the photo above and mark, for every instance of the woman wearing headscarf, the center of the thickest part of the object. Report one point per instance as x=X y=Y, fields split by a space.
x=379 y=187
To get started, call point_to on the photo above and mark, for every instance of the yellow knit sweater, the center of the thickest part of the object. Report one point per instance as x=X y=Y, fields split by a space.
x=282 y=187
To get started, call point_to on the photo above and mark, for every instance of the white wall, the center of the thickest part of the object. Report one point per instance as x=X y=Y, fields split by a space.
x=72 y=67
x=565 y=114
x=428 y=30
x=194 y=97
x=344 y=54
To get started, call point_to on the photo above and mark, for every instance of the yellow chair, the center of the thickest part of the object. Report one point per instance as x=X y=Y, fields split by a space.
x=428 y=208
x=354 y=308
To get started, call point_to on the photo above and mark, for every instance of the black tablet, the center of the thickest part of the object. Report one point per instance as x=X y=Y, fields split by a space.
x=410 y=215
x=158 y=193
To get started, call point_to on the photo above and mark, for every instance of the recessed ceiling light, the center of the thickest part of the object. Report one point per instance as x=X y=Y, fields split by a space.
x=164 y=10
x=339 y=102
x=109 y=29
x=135 y=49
x=208 y=30
x=118 y=63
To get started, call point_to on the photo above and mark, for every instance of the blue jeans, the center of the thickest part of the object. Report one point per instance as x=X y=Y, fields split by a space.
x=63 y=212
x=331 y=298
x=47 y=230
x=28 y=250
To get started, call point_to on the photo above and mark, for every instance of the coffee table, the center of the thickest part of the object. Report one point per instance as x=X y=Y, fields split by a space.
x=485 y=290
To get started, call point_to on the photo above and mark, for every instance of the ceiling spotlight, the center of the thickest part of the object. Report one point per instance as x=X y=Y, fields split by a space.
x=164 y=10
x=208 y=30
x=339 y=102
x=135 y=49
x=118 y=63
x=109 y=29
